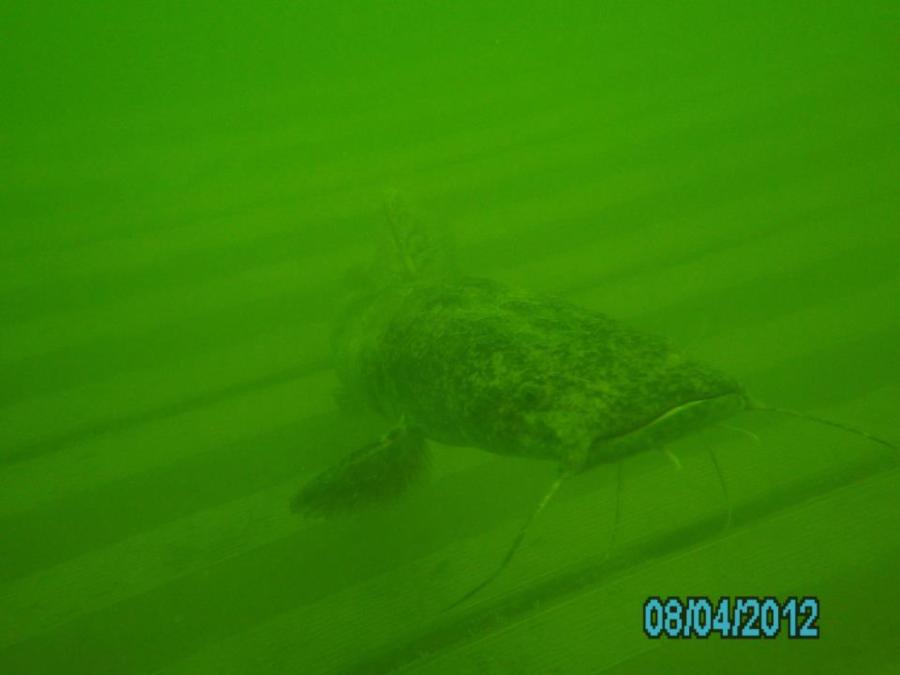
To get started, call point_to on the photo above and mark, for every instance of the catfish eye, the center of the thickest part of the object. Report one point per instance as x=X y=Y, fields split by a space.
x=530 y=394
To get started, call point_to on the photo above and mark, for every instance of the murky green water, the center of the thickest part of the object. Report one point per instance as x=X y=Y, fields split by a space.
x=183 y=192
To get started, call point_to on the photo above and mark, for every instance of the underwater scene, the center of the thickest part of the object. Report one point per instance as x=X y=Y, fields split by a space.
x=358 y=337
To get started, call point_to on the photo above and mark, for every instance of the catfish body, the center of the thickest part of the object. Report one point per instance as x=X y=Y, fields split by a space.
x=470 y=362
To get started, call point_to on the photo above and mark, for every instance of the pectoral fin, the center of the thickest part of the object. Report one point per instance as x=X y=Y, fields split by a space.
x=375 y=473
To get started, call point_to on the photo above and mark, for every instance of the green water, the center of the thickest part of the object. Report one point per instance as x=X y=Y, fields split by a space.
x=183 y=190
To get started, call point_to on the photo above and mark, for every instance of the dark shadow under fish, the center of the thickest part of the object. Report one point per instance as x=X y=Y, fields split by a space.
x=470 y=362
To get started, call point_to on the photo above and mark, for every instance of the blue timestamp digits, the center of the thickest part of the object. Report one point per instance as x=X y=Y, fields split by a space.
x=731 y=617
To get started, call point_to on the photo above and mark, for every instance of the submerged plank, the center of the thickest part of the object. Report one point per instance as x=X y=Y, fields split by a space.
x=598 y=630
x=396 y=618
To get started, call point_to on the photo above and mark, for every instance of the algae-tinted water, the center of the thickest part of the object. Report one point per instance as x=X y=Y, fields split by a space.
x=185 y=191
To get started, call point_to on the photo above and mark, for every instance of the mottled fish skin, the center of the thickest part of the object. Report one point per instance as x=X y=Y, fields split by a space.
x=470 y=362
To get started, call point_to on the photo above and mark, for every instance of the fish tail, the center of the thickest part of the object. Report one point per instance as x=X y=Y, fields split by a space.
x=411 y=249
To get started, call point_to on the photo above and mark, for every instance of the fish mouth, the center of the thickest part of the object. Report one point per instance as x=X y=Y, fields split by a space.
x=678 y=421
